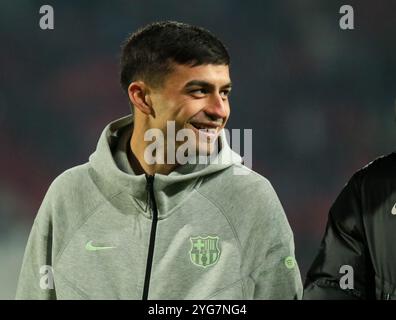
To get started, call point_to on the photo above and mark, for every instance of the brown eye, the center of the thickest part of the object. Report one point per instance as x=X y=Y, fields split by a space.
x=225 y=93
x=198 y=91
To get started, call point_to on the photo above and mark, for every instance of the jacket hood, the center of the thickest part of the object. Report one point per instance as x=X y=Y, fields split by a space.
x=110 y=163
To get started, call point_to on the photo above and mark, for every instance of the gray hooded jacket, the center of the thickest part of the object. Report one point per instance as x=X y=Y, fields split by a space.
x=201 y=232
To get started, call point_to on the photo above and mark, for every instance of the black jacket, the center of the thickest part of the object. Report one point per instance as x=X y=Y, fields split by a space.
x=361 y=233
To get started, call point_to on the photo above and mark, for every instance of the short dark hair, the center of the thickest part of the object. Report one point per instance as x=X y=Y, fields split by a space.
x=148 y=53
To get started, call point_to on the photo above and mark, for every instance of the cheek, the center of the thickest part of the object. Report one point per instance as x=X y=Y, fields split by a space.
x=187 y=110
x=227 y=107
x=227 y=110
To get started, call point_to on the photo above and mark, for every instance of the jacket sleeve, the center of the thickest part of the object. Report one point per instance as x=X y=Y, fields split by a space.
x=282 y=280
x=278 y=276
x=342 y=269
x=36 y=279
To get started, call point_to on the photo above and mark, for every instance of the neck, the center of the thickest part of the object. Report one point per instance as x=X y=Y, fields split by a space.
x=138 y=163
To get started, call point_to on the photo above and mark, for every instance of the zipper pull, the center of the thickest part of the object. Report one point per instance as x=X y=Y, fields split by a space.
x=149 y=188
x=149 y=179
x=150 y=182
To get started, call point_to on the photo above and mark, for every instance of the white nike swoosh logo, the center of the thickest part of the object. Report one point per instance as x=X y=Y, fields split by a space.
x=90 y=247
x=394 y=209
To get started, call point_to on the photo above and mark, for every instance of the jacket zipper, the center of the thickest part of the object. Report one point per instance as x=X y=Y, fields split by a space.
x=154 y=216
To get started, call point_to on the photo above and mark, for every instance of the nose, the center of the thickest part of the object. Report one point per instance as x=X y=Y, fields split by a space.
x=217 y=108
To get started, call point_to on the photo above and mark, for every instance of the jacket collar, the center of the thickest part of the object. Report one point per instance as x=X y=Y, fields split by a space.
x=110 y=163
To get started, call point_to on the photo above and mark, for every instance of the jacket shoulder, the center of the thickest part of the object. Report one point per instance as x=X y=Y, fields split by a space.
x=71 y=196
x=69 y=183
x=383 y=167
x=239 y=182
x=248 y=201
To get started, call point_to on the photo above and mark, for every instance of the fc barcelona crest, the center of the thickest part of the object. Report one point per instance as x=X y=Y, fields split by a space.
x=204 y=251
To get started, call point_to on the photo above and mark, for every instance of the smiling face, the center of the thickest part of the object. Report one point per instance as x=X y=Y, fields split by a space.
x=196 y=98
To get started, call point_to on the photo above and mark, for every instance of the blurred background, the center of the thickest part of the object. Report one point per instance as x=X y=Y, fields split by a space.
x=320 y=100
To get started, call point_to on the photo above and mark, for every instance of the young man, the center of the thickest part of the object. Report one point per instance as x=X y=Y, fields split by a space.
x=357 y=256
x=123 y=226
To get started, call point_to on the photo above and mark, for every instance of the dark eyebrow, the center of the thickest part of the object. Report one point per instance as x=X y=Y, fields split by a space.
x=204 y=84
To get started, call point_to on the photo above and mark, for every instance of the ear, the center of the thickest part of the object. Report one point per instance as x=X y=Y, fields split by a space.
x=139 y=95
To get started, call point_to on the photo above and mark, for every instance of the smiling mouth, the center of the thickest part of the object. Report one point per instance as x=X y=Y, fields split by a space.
x=203 y=125
x=206 y=128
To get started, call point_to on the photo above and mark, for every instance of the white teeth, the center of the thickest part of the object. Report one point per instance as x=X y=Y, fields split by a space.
x=201 y=128
x=209 y=131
